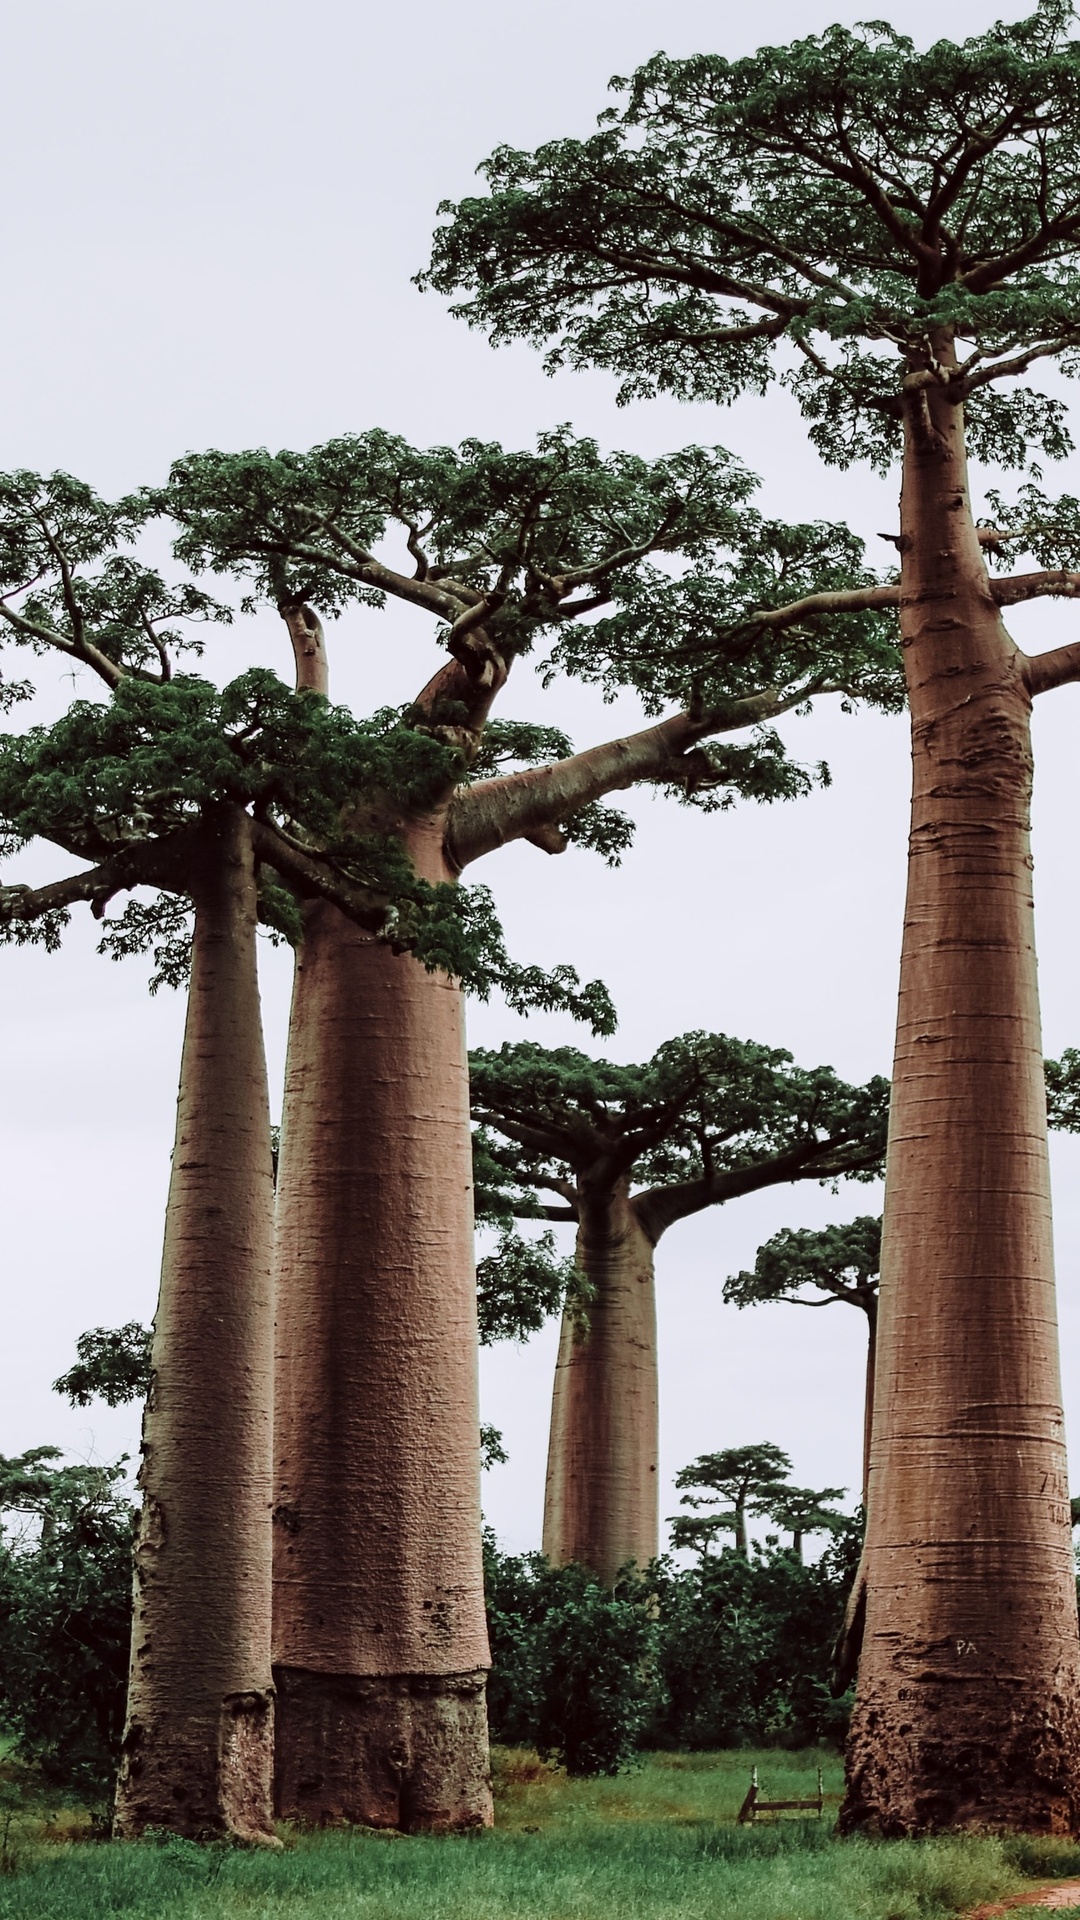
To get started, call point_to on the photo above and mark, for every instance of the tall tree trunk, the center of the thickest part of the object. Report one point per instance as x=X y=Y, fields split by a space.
x=380 y=1638
x=197 y=1755
x=601 y=1502
x=969 y=1682
x=868 y=1397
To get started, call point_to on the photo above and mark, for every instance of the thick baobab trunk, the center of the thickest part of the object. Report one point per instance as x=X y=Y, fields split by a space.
x=380 y=1638
x=601 y=1504
x=968 y=1703
x=197 y=1756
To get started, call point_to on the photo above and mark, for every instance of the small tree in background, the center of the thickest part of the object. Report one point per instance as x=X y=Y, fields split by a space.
x=815 y=1267
x=625 y=1152
x=806 y=1510
x=743 y=1478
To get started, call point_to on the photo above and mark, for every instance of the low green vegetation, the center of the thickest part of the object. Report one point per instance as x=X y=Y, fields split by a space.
x=660 y=1843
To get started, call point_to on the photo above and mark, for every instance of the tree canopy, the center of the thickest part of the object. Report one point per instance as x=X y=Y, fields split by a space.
x=812 y=213
x=748 y=1478
x=622 y=569
x=707 y=1118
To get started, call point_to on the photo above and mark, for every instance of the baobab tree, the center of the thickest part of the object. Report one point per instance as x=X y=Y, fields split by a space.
x=815 y=1267
x=380 y=1643
x=807 y=1510
x=624 y=1153
x=200 y=796
x=741 y=1481
x=892 y=235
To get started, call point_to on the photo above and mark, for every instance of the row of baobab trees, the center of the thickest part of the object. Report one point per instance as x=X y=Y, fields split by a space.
x=893 y=237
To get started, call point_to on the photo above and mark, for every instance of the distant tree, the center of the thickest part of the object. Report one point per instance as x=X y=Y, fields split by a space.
x=806 y=1510
x=623 y=1153
x=814 y=1267
x=746 y=1477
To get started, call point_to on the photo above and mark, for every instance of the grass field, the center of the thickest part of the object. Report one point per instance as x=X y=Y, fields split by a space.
x=657 y=1844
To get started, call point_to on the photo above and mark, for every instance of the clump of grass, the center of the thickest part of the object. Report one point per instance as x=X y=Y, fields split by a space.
x=659 y=1844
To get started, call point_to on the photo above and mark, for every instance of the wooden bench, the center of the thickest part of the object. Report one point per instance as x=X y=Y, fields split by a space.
x=753 y=1805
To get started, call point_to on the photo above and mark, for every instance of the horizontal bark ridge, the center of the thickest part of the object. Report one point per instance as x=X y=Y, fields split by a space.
x=969 y=1679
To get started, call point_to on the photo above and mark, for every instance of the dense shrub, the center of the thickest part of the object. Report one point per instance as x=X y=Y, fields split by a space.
x=744 y=1647
x=65 y=1616
x=573 y=1665
x=729 y=1651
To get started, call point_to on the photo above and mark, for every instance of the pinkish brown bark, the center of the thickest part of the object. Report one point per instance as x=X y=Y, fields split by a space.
x=601 y=1504
x=380 y=1638
x=198 y=1742
x=968 y=1702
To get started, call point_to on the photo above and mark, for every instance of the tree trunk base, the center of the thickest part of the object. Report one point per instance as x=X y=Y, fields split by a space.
x=1007 y=1769
x=202 y=1782
x=403 y=1750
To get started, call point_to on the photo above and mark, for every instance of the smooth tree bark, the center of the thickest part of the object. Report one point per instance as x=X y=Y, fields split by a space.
x=198 y=1742
x=380 y=1637
x=601 y=1492
x=707 y=1120
x=969 y=1440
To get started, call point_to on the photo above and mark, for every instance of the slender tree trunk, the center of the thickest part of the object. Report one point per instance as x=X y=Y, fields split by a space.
x=380 y=1638
x=969 y=1682
x=602 y=1500
x=197 y=1755
x=868 y=1399
x=797 y=1547
x=742 y=1541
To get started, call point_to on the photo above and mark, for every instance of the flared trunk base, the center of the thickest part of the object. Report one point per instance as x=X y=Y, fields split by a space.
x=208 y=1779
x=986 y=1767
x=402 y=1750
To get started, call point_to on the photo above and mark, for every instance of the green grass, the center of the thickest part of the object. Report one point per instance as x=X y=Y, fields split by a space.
x=657 y=1844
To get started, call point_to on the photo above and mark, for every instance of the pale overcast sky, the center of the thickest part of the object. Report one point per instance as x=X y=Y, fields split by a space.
x=212 y=214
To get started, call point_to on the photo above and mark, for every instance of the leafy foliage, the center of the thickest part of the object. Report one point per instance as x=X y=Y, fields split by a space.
x=152 y=762
x=520 y=1286
x=153 y=758
x=741 y=1480
x=835 y=1262
x=65 y=1612
x=729 y=1651
x=1063 y=1092
x=68 y=579
x=113 y=1365
x=745 y=1643
x=813 y=213
x=572 y=1663
x=539 y=543
x=706 y=1115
